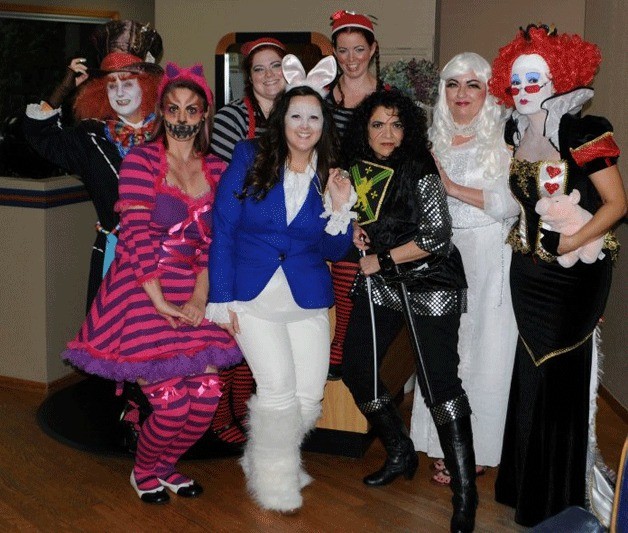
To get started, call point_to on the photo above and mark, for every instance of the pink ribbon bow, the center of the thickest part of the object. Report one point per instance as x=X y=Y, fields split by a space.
x=194 y=215
x=209 y=384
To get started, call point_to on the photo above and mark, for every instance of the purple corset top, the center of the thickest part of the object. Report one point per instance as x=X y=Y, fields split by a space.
x=184 y=229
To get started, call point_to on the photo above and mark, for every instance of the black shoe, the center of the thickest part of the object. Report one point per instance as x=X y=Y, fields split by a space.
x=157 y=496
x=401 y=457
x=456 y=441
x=189 y=489
x=335 y=372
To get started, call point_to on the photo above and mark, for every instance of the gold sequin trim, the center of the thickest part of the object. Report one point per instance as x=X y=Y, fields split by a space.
x=589 y=143
x=515 y=241
x=611 y=243
x=525 y=172
x=555 y=352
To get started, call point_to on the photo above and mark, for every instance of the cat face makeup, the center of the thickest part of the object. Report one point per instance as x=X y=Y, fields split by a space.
x=183 y=114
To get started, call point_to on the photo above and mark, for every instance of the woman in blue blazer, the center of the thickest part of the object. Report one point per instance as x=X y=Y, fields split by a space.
x=281 y=212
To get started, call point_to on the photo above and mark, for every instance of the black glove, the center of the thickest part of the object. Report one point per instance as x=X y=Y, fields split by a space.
x=62 y=90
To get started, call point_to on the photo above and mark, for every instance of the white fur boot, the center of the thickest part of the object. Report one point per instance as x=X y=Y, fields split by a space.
x=272 y=456
x=308 y=421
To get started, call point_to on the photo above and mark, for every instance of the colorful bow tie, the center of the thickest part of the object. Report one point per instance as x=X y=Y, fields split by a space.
x=126 y=137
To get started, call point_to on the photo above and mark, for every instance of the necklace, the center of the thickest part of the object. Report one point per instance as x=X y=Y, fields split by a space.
x=466 y=130
x=341 y=103
x=317 y=184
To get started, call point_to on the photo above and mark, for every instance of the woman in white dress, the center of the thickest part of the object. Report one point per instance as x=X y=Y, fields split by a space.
x=467 y=138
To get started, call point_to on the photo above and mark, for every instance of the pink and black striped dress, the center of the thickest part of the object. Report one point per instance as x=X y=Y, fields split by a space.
x=123 y=337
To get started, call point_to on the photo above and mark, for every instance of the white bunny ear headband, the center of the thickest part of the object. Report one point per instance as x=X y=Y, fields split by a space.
x=318 y=78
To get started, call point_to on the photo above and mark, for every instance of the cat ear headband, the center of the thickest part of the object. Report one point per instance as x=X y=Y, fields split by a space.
x=193 y=74
x=318 y=78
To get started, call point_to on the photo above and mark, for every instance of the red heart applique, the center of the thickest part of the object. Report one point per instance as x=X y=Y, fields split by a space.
x=551 y=187
x=553 y=171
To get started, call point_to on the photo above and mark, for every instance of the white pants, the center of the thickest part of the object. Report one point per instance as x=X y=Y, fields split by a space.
x=289 y=360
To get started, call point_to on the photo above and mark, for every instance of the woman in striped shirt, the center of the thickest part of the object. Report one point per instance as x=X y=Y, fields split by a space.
x=245 y=118
x=355 y=49
x=241 y=119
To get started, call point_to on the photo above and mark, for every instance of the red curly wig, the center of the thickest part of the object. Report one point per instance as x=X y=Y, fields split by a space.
x=92 y=102
x=572 y=61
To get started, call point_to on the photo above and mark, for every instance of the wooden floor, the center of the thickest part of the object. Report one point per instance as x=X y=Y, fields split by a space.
x=46 y=486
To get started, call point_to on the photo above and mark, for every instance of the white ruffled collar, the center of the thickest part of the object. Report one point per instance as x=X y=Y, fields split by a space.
x=556 y=106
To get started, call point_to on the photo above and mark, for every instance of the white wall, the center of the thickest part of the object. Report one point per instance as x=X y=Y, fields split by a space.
x=191 y=28
x=606 y=22
x=484 y=26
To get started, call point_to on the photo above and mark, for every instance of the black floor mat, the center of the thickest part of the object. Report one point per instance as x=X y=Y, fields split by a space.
x=86 y=416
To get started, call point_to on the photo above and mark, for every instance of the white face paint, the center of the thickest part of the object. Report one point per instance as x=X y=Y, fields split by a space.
x=303 y=123
x=125 y=96
x=530 y=83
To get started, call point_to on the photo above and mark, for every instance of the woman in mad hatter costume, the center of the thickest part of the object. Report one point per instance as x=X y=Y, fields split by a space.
x=114 y=106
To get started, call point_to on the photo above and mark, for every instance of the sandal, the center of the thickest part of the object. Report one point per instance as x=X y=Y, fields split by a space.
x=438 y=465
x=442 y=477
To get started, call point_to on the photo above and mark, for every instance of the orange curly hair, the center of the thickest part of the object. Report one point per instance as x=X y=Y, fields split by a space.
x=572 y=61
x=92 y=102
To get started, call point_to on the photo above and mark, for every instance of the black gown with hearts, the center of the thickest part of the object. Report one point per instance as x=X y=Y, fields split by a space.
x=544 y=460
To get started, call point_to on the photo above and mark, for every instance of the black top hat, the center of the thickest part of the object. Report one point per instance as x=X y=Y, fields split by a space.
x=127 y=46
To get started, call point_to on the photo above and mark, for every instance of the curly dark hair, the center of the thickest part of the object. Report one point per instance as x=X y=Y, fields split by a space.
x=273 y=148
x=414 y=145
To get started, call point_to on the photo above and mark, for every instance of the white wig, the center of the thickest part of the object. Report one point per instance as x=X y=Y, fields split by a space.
x=489 y=122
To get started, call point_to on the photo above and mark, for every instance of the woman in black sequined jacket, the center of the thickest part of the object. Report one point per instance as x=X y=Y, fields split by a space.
x=411 y=234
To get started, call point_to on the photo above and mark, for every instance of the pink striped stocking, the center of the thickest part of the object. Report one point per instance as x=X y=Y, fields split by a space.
x=171 y=412
x=204 y=393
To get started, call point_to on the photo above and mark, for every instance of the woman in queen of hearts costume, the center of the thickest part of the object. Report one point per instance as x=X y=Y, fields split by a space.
x=549 y=442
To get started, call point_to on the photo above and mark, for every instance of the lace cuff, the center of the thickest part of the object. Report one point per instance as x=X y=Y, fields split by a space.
x=219 y=312
x=35 y=112
x=339 y=220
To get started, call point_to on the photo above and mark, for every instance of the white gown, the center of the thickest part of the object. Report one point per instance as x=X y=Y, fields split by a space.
x=488 y=333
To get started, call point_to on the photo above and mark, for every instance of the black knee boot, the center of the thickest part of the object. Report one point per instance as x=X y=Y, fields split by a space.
x=453 y=423
x=389 y=427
